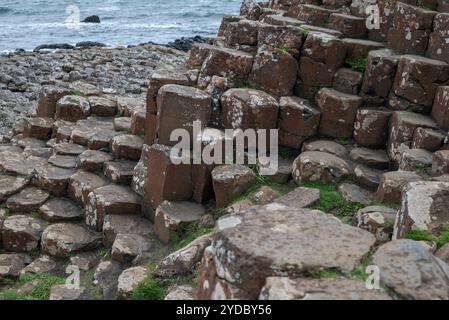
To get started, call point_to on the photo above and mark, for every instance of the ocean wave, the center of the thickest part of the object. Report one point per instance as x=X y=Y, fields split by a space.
x=4 y=10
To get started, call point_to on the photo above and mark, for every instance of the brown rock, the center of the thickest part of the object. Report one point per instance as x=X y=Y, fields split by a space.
x=358 y=48
x=378 y=220
x=311 y=14
x=10 y=185
x=53 y=179
x=120 y=171
x=48 y=97
x=38 y=128
x=371 y=127
x=377 y=159
x=93 y=160
x=419 y=160
x=347 y=81
x=392 y=183
x=127 y=146
x=367 y=177
x=27 y=200
x=338 y=111
x=300 y=198
x=438 y=47
x=102 y=106
x=440 y=109
x=72 y=108
x=350 y=26
x=60 y=210
x=81 y=184
x=21 y=233
x=440 y=163
x=428 y=139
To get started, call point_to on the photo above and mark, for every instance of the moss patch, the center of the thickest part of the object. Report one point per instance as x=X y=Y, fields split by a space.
x=357 y=64
x=330 y=198
x=41 y=291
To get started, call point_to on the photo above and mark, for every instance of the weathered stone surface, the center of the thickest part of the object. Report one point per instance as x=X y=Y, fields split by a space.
x=263 y=195
x=12 y=263
x=232 y=64
x=130 y=279
x=10 y=185
x=120 y=171
x=358 y=48
x=283 y=172
x=48 y=97
x=440 y=109
x=440 y=163
x=183 y=261
x=122 y=124
x=313 y=166
x=110 y=199
x=59 y=209
x=250 y=9
x=83 y=88
x=274 y=72
x=443 y=253
x=419 y=160
x=85 y=260
x=127 y=105
x=138 y=122
x=322 y=55
x=354 y=194
x=69 y=149
x=411 y=271
x=331 y=245
x=167 y=180
x=249 y=108
x=327 y=146
x=428 y=139
x=28 y=200
x=367 y=177
x=127 y=147
x=411 y=27
x=241 y=33
x=93 y=160
x=64 y=239
x=338 y=112
x=347 y=81
x=38 y=128
x=21 y=233
x=44 y=153
x=402 y=128
x=72 y=108
x=125 y=224
x=371 y=127
x=380 y=72
x=128 y=246
x=438 y=47
x=65 y=162
x=14 y=163
x=300 y=198
x=377 y=159
x=284 y=36
x=297 y=117
x=378 y=220
x=416 y=82
x=392 y=183
x=172 y=216
x=106 y=277
x=68 y=292
x=350 y=26
x=183 y=292
x=81 y=184
x=178 y=107
x=42 y=265
x=230 y=181
x=103 y=106
x=424 y=204
x=311 y=14
x=284 y=288
x=53 y=179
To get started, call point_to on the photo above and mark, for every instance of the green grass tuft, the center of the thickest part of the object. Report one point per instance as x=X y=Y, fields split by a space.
x=150 y=289
x=192 y=236
x=357 y=64
x=420 y=235
x=359 y=272
x=330 y=198
x=40 y=292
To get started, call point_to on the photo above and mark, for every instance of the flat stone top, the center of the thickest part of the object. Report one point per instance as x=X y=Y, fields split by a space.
x=368 y=43
x=413 y=58
x=232 y=52
x=416 y=119
x=226 y=172
x=291 y=240
x=340 y=95
x=116 y=194
x=251 y=97
x=182 y=210
x=184 y=91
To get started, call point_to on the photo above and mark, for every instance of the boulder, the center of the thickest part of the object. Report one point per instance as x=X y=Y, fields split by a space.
x=347 y=81
x=428 y=139
x=65 y=239
x=72 y=108
x=48 y=97
x=64 y=162
x=81 y=184
x=28 y=200
x=300 y=198
x=68 y=292
x=351 y=26
x=367 y=177
x=392 y=183
x=440 y=163
x=327 y=146
x=231 y=181
x=38 y=128
x=21 y=233
x=371 y=127
x=59 y=210
x=119 y=171
x=172 y=217
x=338 y=112
x=129 y=280
x=313 y=166
x=424 y=204
x=42 y=265
x=53 y=179
x=128 y=246
x=352 y=193
x=93 y=160
x=10 y=185
x=438 y=47
x=377 y=159
x=331 y=245
x=103 y=107
x=378 y=220
x=110 y=199
x=12 y=263
x=418 y=160
x=411 y=271
x=124 y=224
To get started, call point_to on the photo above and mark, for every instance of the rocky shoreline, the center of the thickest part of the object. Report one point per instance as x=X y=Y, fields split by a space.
x=355 y=210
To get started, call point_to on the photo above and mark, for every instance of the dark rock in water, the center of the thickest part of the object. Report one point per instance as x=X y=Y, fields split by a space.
x=54 y=46
x=185 y=44
x=89 y=44
x=92 y=19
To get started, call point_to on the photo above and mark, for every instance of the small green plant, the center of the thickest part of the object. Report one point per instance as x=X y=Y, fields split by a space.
x=358 y=64
x=244 y=85
x=324 y=274
x=359 y=272
x=342 y=141
x=282 y=49
x=192 y=236
x=105 y=254
x=150 y=289
x=40 y=291
x=329 y=196
x=305 y=33
x=420 y=235
x=349 y=209
x=443 y=238
x=285 y=153
x=77 y=93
